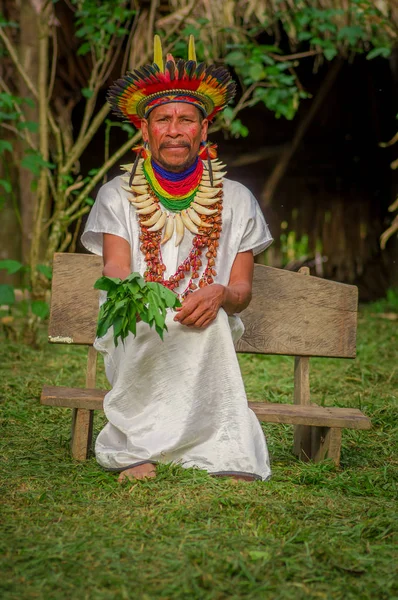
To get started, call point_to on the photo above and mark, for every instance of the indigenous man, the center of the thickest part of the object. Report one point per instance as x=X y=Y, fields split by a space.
x=176 y=220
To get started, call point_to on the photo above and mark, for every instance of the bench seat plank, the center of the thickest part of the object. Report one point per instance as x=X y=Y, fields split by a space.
x=88 y=398
x=318 y=416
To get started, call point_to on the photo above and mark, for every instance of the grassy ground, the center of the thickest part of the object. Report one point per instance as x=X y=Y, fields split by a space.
x=70 y=531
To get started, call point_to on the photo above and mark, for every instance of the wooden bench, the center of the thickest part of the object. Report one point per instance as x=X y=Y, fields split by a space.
x=290 y=314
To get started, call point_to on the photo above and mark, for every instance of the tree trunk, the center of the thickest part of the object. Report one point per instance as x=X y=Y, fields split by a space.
x=29 y=57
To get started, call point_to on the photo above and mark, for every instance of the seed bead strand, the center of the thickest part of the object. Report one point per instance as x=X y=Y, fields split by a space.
x=151 y=249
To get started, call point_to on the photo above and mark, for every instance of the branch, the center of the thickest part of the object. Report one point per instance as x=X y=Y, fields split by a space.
x=53 y=64
x=97 y=177
x=388 y=233
x=390 y=143
x=81 y=144
x=394 y=206
x=298 y=55
x=12 y=52
x=151 y=22
x=129 y=41
x=19 y=134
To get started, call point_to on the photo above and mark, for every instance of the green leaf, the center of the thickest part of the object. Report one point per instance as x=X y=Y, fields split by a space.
x=5 y=145
x=107 y=283
x=84 y=49
x=45 y=270
x=352 y=34
x=6 y=185
x=303 y=36
x=7 y=295
x=382 y=51
x=40 y=309
x=11 y=266
x=256 y=72
x=34 y=162
x=87 y=93
x=330 y=53
x=235 y=58
x=29 y=125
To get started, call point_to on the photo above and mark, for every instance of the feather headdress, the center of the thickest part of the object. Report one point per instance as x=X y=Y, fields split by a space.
x=137 y=93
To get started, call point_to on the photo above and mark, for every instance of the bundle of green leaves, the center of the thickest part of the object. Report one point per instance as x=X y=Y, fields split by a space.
x=133 y=298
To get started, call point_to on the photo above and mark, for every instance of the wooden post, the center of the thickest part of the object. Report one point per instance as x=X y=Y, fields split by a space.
x=82 y=419
x=326 y=443
x=302 y=433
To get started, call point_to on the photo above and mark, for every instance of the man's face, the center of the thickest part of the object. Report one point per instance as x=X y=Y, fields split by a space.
x=174 y=132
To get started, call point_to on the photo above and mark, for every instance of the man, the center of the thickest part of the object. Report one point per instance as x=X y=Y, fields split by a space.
x=179 y=222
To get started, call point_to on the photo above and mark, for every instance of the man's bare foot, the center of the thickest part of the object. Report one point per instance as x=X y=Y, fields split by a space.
x=242 y=478
x=144 y=471
x=238 y=477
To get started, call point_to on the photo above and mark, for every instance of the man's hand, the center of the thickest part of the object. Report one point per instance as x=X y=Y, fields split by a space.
x=201 y=308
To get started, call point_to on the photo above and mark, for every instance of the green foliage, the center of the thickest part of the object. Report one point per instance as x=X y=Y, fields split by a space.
x=40 y=308
x=7 y=294
x=11 y=266
x=34 y=162
x=272 y=77
x=389 y=304
x=130 y=298
x=292 y=247
x=273 y=82
x=97 y=21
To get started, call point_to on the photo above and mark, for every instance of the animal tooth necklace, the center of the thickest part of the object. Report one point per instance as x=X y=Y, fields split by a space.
x=197 y=207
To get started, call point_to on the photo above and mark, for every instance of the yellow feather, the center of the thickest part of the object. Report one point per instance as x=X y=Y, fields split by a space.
x=158 y=53
x=191 y=48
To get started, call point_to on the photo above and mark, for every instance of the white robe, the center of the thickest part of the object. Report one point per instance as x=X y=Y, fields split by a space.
x=181 y=400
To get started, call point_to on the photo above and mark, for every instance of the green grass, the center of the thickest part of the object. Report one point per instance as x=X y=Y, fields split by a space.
x=68 y=530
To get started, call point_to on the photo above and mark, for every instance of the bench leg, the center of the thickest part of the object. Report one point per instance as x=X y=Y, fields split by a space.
x=326 y=443
x=303 y=442
x=82 y=419
x=82 y=432
x=302 y=433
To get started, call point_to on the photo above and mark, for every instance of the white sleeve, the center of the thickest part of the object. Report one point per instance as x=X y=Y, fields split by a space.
x=109 y=214
x=256 y=235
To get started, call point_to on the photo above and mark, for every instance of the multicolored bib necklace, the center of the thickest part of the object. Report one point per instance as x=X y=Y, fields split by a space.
x=161 y=213
x=175 y=191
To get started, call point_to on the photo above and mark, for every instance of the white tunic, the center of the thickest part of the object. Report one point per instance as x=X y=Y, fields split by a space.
x=181 y=400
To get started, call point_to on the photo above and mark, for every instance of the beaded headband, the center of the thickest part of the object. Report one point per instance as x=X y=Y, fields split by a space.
x=210 y=88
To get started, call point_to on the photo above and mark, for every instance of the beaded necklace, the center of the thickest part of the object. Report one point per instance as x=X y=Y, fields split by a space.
x=175 y=191
x=205 y=222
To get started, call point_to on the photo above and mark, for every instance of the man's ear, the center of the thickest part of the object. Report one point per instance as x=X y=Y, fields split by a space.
x=144 y=129
x=205 y=126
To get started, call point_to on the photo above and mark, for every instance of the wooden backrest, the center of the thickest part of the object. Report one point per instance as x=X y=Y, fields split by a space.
x=290 y=313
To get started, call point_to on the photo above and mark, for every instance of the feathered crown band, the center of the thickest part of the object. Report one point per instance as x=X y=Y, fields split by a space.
x=137 y=93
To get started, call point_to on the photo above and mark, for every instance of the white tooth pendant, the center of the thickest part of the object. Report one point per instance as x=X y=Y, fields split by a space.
x=189 y=224
x=209 y=194
x=140 y=205
x=202 y=210
x=142 y=198
x=206 y=201
x=160 y=223
x=139 y=189
x=147 y=210
x=127 y=167
x=152 y=220
x=196 y=219
x=179 y=229
x=169 y=229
